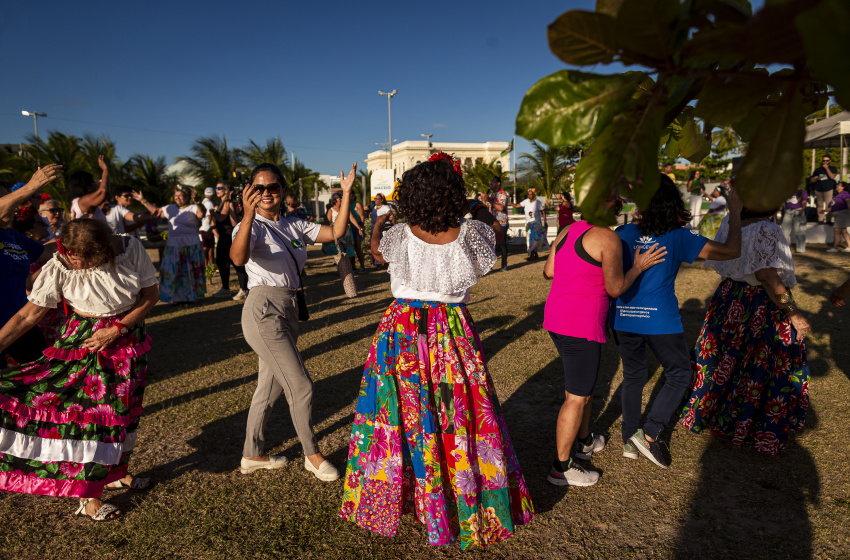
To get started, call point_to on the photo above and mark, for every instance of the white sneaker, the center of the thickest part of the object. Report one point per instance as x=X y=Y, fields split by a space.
x=846 y=250
x=222 y=293
x=247 y=466
x=240 y=295
x=832 y=250
x=326 y=472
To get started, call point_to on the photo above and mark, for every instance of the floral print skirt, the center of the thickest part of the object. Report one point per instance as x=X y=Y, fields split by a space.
x=182 y=275
x=750 y=379
x=535 y=236
x=68 y=419
x=429 y=437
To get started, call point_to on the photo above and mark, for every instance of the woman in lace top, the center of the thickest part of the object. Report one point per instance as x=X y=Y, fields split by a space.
x=750 y=379
x=429 y=437
x=68 y=419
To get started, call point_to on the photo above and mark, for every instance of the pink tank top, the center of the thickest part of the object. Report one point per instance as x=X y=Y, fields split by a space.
x=578 y=303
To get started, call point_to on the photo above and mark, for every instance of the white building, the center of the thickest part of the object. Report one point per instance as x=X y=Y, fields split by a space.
x=407 y=154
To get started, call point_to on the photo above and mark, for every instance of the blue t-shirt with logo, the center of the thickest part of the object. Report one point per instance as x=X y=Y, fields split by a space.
x=650 y=305
x=17 y=252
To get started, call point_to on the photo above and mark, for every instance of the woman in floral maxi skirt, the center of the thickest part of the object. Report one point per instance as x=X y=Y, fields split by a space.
x=68 y=419
x=429 y=437
x=750 y=379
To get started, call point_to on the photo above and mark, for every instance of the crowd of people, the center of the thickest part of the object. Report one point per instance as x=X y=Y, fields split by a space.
x=428 y=436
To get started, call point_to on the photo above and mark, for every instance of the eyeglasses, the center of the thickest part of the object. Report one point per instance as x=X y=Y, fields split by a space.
x=125 y=195
x=219 y=188
x=272 y=188
x=53 y=210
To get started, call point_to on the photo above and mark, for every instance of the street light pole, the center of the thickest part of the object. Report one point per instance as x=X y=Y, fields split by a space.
x=35 y=116
x=390 y=120
x=428 y=137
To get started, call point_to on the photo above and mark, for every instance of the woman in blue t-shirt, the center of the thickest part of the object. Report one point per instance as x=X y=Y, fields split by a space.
x=647 y=314
x=17 y=253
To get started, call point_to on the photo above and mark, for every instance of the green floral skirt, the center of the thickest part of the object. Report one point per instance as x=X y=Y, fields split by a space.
x=68 y=419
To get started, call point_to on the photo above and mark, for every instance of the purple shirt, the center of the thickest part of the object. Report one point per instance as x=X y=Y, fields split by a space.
x=839 y=203
x=797 y=200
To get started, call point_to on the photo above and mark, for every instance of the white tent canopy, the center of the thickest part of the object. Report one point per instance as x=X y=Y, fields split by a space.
x=833 y=132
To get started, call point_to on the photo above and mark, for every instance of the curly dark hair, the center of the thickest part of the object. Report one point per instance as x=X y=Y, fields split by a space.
x=432 y=196
x=666 y=210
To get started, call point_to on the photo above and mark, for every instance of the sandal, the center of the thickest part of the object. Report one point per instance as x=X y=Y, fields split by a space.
x=137 y=484
x=102 y=514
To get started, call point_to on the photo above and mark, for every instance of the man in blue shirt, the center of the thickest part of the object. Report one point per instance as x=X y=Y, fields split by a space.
x=647 y=314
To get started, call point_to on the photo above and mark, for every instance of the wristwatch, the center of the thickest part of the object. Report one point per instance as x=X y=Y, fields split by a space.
x=122 y=329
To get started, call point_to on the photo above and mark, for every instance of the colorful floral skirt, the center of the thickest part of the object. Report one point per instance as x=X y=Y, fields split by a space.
x=68 y=419
x=750 y=379
x=535 y=237
x=429 y=437
x=182 y=274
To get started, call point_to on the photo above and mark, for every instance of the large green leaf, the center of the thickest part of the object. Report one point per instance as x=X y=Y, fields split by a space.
x=725 y=102
x=733 y=11
x=826 y=34
x=772 y=168
x=771 y=37
x=683 y=92
x=610 y=7
x=569 y=107
x=625 y=153
x=747 y=127
x=647 y=28
x=693 y=144
x=579 y=37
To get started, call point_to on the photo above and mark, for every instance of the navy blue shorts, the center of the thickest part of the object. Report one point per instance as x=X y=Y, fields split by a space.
x=581 y=363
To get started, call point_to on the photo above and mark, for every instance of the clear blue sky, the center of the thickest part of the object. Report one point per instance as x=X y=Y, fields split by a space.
x=155 y=75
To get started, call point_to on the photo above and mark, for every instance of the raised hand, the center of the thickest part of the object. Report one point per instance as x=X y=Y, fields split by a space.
x=46 y=174
x=137 y=195
x=101 y=162
x=347 y=182
x=250 y=199
x=646 y=260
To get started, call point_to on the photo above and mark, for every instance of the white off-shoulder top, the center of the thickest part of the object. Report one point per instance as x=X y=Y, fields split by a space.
x=763 y=245
x=101 y=291
x=444 y=273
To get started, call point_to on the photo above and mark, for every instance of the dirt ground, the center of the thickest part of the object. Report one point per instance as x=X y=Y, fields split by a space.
x=716 y=501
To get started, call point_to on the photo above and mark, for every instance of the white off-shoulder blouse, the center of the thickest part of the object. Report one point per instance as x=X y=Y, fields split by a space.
x=763 y=245
x=444 y=273
x=101 y=291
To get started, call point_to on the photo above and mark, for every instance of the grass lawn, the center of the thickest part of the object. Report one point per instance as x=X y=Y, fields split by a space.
x=716 y=501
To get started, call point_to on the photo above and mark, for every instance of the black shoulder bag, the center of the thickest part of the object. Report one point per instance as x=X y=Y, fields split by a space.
x=300 y=296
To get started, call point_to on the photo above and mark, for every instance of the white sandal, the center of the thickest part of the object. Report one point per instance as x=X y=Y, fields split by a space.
x=137 y=484
x=102 y=514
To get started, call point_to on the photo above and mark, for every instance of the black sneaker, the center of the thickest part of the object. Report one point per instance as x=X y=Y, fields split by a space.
x=585 y=452
x=652 y=450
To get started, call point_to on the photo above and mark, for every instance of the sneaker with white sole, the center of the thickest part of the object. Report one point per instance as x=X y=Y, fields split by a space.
x=585 y=452
x=326 y=472
x=222 y=293
x=630 y=451
x=832 y=250
x=652 y=450
x=576 y=475
x=247 y=466
x=240 y=295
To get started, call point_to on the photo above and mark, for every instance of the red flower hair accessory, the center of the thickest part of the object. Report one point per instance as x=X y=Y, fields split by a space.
x=455 y=162
x=24 y=213
x=44 y=197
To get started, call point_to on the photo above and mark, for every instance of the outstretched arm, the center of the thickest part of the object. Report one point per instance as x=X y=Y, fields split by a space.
x=22 y=321
x=10 y=202
x=96 y=198
x=337 y=230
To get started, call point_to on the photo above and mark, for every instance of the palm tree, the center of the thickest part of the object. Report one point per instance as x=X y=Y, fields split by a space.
x=300 y=177
x=149 y=175
x=212 y=160
x=272 y=152
x=477 y=176
x=545 y=168
x=63 y=149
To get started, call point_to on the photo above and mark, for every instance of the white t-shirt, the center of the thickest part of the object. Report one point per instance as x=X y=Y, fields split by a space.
x=183 y=224
x=94 y=212
x=206 y=224
x=532 y=209
x=115 y=218
x=270 y=263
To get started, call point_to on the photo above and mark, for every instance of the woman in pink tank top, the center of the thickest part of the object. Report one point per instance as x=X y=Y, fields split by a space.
x=586 y=268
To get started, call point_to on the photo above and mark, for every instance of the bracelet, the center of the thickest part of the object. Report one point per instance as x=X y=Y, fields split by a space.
x=785 y=302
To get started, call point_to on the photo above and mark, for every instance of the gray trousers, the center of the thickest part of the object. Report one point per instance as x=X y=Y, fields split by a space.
x=794 y=226
x=270 y=326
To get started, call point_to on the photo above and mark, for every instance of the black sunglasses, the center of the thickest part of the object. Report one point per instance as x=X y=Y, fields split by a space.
x=272 y=188
x=53 y=210
x=125 y=195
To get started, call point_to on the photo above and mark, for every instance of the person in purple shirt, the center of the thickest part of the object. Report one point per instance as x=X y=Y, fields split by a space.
x=840 y=214
x=794 y=219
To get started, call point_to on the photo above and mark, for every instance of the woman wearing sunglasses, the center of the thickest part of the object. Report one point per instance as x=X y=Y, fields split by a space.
x=182 y=277
x=273 y=251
